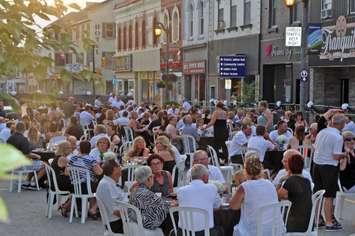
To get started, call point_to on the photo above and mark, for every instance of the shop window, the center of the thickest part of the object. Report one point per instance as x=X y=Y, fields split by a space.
x=247 y=12
x=272 y=13
x=344 y=93
x=213 y=92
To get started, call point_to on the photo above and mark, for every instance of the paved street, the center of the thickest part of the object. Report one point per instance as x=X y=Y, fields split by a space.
x=27 y=218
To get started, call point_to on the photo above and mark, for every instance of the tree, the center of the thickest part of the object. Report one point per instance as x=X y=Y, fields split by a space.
x=21 y=38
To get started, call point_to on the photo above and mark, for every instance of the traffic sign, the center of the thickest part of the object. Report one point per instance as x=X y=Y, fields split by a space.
x=232 y=66
x=304 y=75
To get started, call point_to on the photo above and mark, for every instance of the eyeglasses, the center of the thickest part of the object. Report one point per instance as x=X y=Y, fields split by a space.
x=155 y=163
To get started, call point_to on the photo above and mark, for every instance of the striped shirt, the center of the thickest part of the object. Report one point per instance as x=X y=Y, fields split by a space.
x=85 y=162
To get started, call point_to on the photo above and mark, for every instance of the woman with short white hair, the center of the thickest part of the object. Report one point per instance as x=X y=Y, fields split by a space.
x=153 y=209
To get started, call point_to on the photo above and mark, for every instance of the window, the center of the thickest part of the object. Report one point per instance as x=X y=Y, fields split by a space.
x=107 y=60
x=201 y=18
x=326 y=9
x=118 y=38
x=136 y=35
x=220 y=15
x=247 y=12
x=77 y=33
x=108 y=30
x=155 y=38
x=351 y=6
x=175 y=25
x=233 y=14
x=143 y=33
x=124 y=38
x=294 y=13
x=272 y=13
x=166 y=24
x=130 y=33
x=191 y=20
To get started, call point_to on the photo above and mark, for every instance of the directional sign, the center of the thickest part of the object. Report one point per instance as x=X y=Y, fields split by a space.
x=304 y=75
x=232 y=66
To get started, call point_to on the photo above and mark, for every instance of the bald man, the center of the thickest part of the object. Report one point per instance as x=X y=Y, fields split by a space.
x=283 y=174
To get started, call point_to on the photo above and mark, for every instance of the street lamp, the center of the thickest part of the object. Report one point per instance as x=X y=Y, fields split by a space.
x=304 y=64
x=159 y=28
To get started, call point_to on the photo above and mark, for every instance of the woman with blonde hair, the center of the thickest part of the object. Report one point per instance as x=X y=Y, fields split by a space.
x=138 y=149
x=164 y=149
x=247 y=198
x=34 y=137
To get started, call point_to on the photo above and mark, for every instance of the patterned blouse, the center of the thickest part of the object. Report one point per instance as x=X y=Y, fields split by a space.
x=154 y=209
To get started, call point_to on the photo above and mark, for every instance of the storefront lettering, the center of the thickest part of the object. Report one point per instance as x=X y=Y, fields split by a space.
x=275 y=51
x=198 y=67
x=337 y=43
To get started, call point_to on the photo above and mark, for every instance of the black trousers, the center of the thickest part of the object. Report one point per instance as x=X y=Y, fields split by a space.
x=117 y=226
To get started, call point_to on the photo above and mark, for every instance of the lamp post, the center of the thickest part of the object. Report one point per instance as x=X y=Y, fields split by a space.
x=304 y=64
x=158 y=29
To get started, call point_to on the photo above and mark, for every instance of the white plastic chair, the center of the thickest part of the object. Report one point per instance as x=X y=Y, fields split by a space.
x=228 y=172
x=124 y=148
x=189 y=142
x=105 y=219
x=340 y=199
x=130 y=176
x=187 y=215
x=52 y=183
x=279 y=217
x=128 y=134
x=133 y=226
x=267 y=173
x=213 y=154
x=312 y=229
x=19 y=174
x=74 y=173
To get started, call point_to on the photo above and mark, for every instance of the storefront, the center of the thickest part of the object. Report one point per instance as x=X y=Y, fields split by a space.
x=333 y=65
x=246 y=45
x=195 y=72
x=146 y=67
x=124 y=83
x=280 y=67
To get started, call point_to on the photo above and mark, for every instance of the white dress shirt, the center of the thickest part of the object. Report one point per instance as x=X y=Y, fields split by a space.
x=86 y=118
x=108 y=192
x=274 y=137
x=200 y=195
x=261 y=144
x=214 y=174
x=328 y=143
x=239 y=140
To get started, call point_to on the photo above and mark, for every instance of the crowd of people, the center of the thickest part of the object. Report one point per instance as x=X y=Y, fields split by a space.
x=97 y=138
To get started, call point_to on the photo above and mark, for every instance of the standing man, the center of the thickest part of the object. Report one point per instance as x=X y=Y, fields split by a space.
x=328 y=152
x=240 y=140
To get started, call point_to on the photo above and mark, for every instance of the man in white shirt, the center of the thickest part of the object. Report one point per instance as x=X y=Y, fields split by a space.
x=214 y=173
x=86 y=116
x=99 y=132
x=281 y=136
x=108 y=192
x=186 y=105
x=199 y=194
x=350 y=125
x=261 y=142
x=240 y=140
x=282 y=175
x=123 y=120
x=328 y=152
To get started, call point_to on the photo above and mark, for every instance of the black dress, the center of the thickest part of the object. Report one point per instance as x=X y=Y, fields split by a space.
x=220 y=131
x=347 y=176
x=63 y=180
x=300 y=194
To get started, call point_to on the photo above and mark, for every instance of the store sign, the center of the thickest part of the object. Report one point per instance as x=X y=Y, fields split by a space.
x=276 y=51
x=124 y=64
x=232 y=66
x=196 y=67
x=293 y=36
x=338 y=41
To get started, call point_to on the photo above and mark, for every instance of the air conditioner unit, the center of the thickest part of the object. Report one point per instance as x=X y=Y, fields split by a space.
x=221 y=24
x=326 y=13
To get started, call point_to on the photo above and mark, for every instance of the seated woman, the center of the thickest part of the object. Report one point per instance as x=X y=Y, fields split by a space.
x=138 y=149
x=164 y=149
x=85 y=161
x=163 y=182
x=102 y=146
x=153 y=209
x=298 y=190
x=59 y=164
x=347 y=165
x=247 y=198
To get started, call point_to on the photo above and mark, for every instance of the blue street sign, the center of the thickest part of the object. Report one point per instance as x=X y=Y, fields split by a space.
x=232 y=66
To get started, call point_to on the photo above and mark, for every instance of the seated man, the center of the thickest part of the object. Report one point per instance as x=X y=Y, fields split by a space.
x=283 y=174
x=214 y=173
x=281 y=136
x=188 y=197
x=108 y=192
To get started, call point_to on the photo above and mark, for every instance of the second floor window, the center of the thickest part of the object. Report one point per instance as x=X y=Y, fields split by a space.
x=247 y=12
x=272 y=13
x=220 y=16
x=233 y=14
x=326 y=9
x=201 y=18
x=191 y=21
x=295 y=13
